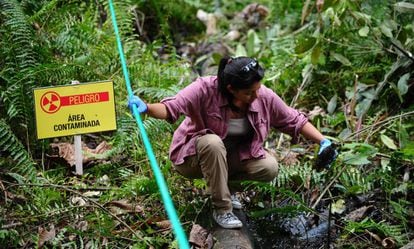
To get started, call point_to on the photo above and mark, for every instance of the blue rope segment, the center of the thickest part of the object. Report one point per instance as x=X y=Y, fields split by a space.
x=168 y=203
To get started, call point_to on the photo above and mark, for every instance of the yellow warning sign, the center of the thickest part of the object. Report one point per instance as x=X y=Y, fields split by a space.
x=75 y=109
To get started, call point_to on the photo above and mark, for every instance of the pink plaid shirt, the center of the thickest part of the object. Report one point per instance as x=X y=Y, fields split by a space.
x=206 y=111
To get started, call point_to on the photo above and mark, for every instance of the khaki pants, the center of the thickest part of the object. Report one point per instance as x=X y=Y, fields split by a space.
x=218 y=163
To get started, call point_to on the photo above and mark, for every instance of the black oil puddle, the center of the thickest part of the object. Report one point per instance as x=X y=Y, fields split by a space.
x=275 y=232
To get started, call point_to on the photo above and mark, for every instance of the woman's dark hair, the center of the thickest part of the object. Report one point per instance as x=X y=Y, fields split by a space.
x=240 y=73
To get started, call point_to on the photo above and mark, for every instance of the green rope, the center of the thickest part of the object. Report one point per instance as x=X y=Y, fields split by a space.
x=168 y=204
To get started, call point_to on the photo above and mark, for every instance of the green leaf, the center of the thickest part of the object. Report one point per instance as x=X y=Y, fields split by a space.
x=345 y=133
x=19 y=178
x=356 y=159
x=361 y=147
x=402 y=84
x=253 y=43
x=316 y=53
x=386 y=30
x=404 y=7
x=388 y=142
x=385 y=162
x=362 y=16
x=240 y=50
x=342 y=59
x=408 y=150
x=363 y=31
x=332 y=104
x=362 y=107
x=303 y=44
x=358 y=153
x=403 y=136
x=338 y=207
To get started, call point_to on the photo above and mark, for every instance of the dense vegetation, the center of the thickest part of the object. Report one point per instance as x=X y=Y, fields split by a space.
x=347 y=63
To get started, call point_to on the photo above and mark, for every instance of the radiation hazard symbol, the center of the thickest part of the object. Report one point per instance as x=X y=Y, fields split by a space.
x=50 y=102
x=66 y=110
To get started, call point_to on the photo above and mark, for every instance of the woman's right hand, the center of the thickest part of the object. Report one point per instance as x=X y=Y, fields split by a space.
x=141 y=105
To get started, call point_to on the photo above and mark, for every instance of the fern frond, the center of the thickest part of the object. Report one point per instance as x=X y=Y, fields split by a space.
x=124 y=16
x=10 y=145
x=47 y=8
x=388 y=230
x=304 y=172
x=20 y=58
x=157 y=93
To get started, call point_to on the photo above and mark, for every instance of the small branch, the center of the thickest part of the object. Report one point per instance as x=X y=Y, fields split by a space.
x=327 y=187
x=11 y=225
x=62 y=186
x=353 y=104
x=406 y=53
x=381 y=123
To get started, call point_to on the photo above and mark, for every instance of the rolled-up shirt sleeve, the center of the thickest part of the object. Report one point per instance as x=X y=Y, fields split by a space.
x=285 y=118
x=185 y=102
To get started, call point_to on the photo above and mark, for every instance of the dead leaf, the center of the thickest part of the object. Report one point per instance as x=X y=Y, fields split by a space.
x=164 y=224
x=209 y=20
x=374 y=236
x=317 y=111
x=101 y=148
x=45 y=235
x=92 y=194
x=319 y=5
x=2 y=186
x=78 y=201
x=128 y=207
x=91 y=244
x=104 y=180
x=314 y=195
x=357 y=214
x=291 y=159
x=209 y=242
x=406 y=177
x=388 y=243
x=67 y=152
x=307 y=183
x=82 y=225
x=253 y=14
x=199 y=236
x=232 y=35
x=305 y=11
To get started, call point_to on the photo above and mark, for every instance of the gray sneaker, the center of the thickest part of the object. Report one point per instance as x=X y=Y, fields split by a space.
x=236 y=202
x=227 y=220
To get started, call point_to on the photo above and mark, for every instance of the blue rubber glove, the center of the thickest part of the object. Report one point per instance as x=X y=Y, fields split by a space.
x=325 y=143
x=327 y=154
x=141 y=106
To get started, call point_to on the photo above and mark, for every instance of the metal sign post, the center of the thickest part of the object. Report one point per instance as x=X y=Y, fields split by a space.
x=78 y=148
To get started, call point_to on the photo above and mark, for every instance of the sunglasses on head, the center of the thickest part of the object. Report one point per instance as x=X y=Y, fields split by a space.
x=249 y=66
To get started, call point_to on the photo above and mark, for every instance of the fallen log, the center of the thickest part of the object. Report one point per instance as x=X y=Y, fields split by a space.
x=233 y=238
